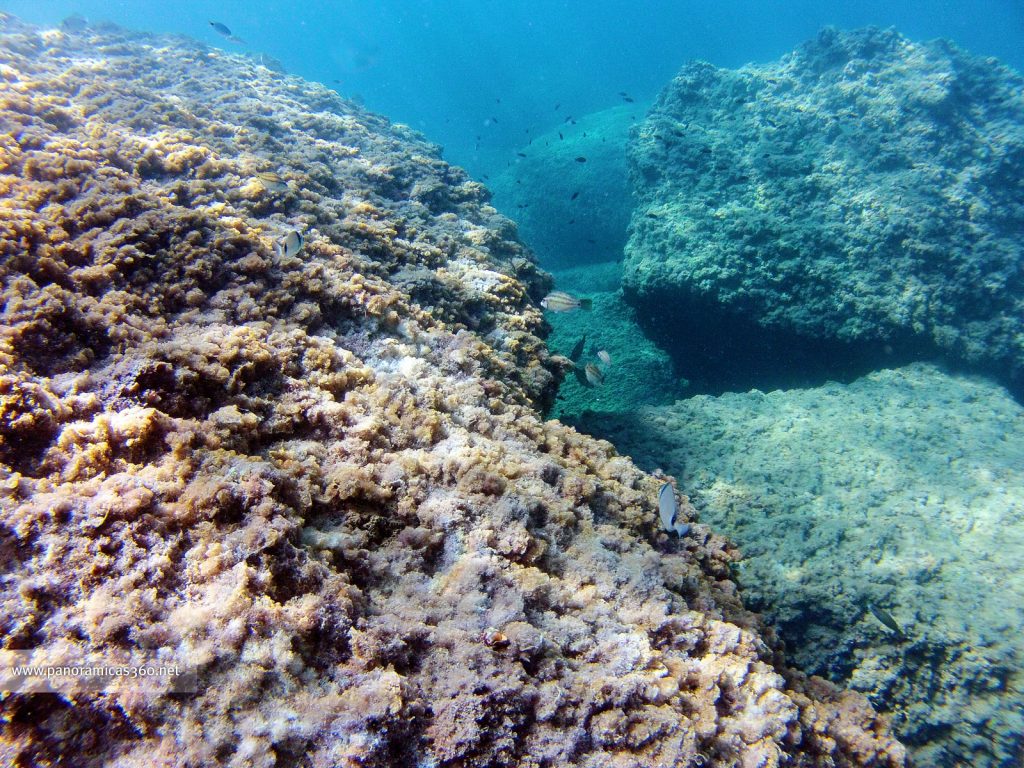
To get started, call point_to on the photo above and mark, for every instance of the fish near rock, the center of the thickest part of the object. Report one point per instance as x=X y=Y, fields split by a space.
x=290 y=244
x=272 y=182
x=668 y=510
x=560 y=301
x=223 y=31
x=887 y=620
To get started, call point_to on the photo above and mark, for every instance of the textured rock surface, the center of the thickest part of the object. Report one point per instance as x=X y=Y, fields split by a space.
x=323 y=479
x=862 y=191
x=538 y=189
x=904 y=489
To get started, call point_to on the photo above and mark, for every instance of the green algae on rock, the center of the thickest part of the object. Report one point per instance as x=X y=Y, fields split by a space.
x=859 y=200
x=904 y=489
x=324 y=479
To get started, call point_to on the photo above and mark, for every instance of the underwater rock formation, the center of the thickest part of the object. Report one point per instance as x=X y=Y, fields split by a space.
x=918 y=509
x=854 y=204
x=572 y=213
x=322 y=477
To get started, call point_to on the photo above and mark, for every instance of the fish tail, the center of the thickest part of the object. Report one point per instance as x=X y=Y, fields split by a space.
x=586 y=304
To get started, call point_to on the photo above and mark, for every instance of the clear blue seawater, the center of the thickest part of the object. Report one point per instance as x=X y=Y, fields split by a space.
x=494 y=69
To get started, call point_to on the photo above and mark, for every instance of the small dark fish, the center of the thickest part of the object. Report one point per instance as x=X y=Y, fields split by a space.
x=886 y=618
x=577 y=350
x=558 y=105
x=574 y=195
x=560 y=301
x=498 y=100
x=485 y=177
x=224 y=32
x=494 y=120
x=561 y=136
x=628 y=98
x=581 y=159
x=567 y=119
x=290 y=244
x=521 y=154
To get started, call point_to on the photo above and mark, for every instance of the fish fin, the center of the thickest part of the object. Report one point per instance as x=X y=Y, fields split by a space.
x=586 y=304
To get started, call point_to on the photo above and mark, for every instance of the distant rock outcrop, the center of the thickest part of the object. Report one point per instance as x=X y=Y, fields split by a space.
x=569 y=212
x=859 y=200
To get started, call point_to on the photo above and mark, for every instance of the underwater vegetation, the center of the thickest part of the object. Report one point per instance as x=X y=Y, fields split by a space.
x=856 y=505
x=855 y=204
x=272 y=384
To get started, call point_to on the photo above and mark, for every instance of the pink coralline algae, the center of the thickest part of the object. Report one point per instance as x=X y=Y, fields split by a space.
x=324 y=480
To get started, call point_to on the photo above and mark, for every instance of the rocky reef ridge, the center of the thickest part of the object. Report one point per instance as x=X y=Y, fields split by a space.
x=854 y=204
x=322 y=477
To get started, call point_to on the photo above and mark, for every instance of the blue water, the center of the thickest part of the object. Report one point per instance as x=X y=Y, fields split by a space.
x=494 y=69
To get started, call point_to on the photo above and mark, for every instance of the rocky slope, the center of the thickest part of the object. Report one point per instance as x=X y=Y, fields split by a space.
x=853 y=204
x=322 y=478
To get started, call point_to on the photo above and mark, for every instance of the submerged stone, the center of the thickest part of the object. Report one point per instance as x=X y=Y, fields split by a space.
x=855 y=204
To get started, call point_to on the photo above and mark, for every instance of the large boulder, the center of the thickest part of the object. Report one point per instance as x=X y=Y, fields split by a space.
x=857 y=201
x=569 y=212
x=320 y=477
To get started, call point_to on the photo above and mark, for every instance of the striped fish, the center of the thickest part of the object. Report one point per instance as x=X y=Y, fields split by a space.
x=272 y=182
x=560 y=301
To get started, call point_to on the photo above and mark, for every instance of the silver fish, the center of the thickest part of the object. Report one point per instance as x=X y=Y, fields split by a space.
x=886 y=618
x=604 y=357
x=290 y=244
x=593 y=374
x=560 y=301
x=668 y=509
x=223 y=31
x=272 y=182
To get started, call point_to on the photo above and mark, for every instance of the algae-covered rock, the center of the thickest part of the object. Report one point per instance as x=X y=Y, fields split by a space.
x=860 y=198
x=570 y=212
x=320 y=477
x=903 y=490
